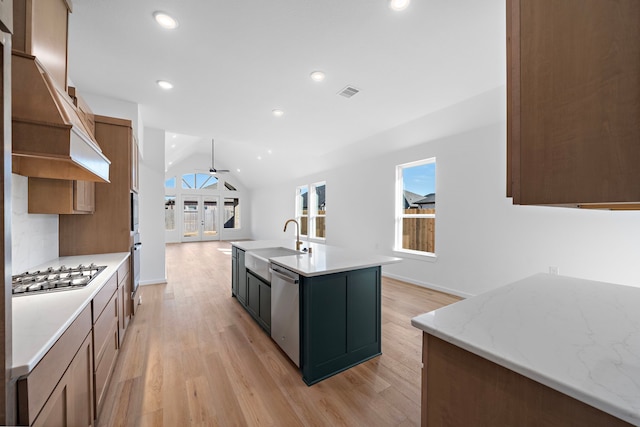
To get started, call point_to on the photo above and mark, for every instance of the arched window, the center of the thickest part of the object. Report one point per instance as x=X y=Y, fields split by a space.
x=197 y=181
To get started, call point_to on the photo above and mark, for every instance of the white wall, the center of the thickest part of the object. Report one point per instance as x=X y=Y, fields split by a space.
x=151 y=201
x=34 y=237
x=482 y=240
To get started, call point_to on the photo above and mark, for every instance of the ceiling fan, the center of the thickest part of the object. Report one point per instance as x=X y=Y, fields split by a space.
x=213 y=170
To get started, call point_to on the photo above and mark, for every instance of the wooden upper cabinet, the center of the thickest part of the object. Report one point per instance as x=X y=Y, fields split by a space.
x=56 y=196
x=41 y=30
x=135 y=163
x=573 y=103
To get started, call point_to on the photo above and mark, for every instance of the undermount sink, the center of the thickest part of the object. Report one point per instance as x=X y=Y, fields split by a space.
x=257 y=260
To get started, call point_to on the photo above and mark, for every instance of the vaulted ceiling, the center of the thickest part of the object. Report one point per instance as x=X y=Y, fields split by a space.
x=233 y=62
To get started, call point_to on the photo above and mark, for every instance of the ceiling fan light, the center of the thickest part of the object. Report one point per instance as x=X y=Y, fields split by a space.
x=165 y=20
x=399 y=4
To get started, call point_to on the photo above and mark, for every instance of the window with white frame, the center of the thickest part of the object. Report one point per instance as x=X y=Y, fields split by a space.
x=311 y=210
x=416 y=207
x=318 y=210
x=302 y=209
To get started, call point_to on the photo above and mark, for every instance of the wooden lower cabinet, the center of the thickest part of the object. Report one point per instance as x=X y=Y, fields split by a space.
x=460 y=388
x=125 y=304
x=106 y=344
x=71 y=403
x=59 y=390
x=340 y=323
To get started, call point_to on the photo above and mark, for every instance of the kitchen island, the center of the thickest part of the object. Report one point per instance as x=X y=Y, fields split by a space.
x=546 y=350
x=337 y=303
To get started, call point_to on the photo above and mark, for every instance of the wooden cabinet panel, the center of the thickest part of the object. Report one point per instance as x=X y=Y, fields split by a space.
x=573 y=107
x=56 y=196
x=103 y=297
x=105 y=367
x=34 y=389
x=40 y=29
x=106 y=317
x=109 y=228
x=71 y=403
x=125 y=311
x=135 y=165
x=460 y=388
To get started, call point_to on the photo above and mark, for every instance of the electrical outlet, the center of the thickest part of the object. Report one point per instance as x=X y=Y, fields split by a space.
x=554 y=270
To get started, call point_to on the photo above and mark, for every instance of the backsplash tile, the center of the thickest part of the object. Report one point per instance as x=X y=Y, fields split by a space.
x=34 y=237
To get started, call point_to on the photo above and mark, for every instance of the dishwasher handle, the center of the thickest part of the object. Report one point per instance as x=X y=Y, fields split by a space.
x=284 y=276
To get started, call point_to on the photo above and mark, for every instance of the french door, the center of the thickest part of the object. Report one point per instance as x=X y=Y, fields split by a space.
x=200 y=218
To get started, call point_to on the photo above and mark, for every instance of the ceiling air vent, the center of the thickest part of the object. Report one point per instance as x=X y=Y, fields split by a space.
x=348 y=91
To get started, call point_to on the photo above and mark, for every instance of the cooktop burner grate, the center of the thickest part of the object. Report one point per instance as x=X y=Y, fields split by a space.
x=54 y=279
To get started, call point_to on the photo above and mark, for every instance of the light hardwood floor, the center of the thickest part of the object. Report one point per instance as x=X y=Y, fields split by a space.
x=194 y=357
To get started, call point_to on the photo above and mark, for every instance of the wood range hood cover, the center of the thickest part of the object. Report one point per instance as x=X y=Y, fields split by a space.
x=49 y=139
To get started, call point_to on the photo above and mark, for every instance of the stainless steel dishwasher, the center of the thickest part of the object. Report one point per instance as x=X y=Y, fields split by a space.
x=285 y=311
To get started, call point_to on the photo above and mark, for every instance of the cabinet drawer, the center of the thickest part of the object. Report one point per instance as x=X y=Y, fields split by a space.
x=102 y=298
x=104 y=368
x=102 y=328
x=35 y=389
x=123 y=271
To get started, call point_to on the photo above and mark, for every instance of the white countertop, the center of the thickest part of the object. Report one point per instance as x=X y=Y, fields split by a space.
x=39 y=320
x=323 y=259
x=576 y=336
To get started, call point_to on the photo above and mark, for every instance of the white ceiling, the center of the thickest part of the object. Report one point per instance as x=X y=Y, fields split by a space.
x=233 y=62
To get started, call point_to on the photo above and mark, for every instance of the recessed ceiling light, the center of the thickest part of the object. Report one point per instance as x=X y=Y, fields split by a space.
x=170 y=163
x=269 y=151
x=164 y=84
x=277 y=112
x=399 y=4
x=317 y=76
x=173 y=145
x=259 y=157
x=165 y=20
x=238 y=170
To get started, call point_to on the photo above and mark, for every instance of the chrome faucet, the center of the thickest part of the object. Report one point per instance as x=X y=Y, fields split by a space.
x=298 y=242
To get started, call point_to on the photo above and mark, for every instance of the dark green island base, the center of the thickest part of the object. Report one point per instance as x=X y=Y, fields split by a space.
x=340 y=316
x=340 y=322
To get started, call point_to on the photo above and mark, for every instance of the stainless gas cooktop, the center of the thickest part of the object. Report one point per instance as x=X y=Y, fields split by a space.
x=54 y=279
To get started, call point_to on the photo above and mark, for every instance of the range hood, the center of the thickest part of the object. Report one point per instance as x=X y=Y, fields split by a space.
x=49 y=139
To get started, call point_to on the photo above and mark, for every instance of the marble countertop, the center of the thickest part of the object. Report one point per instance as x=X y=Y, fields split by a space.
x=323 y=259
x=39 y=320
x=576 y=336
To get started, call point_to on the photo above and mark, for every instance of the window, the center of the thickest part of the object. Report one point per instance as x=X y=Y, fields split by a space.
x=311 y=210
x=199 y=181
x=170 y=212
x=416 y=207
x=170 y=183
x=231 y=212
x=318 y=210
x=302 y=210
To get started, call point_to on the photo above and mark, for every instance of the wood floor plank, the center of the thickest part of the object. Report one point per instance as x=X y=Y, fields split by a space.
x=193 y=356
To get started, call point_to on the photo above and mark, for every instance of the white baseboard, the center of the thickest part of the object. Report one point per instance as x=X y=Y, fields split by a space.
x=153 y=282
x=429 y=285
